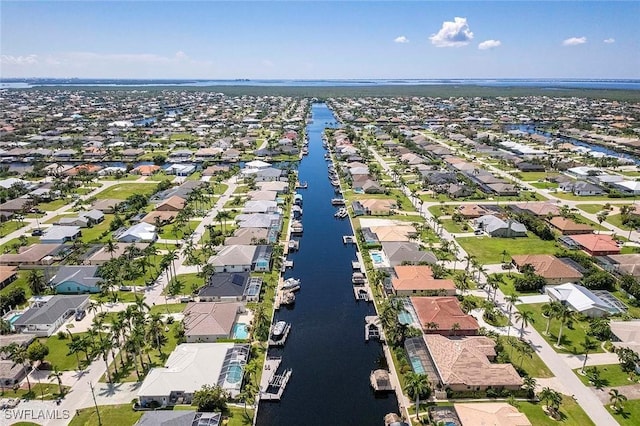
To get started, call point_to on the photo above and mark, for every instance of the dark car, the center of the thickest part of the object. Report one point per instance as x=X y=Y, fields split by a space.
x=80 y=315
x=36 y=232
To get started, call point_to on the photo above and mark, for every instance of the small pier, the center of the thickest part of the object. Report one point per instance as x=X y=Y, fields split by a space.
x=302 y=185
x=286 y=264
x=274 y=384
x=293 y=245
x=282 y=340
x=355 y=265
x=363 y=293
x=381 y=381
x=348 y=239
x=372 y=328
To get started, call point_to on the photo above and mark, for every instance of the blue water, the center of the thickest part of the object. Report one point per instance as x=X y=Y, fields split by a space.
x=626 y=84
x=416 y=365
x=14 y=318
x=377 y=257
x=405 y=317
x=532 y=130
x=326 y=350
x=234 y=374
x=240 y=331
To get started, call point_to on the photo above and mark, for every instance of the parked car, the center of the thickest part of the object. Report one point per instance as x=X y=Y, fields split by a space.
x=80 y=314
x=36 y=232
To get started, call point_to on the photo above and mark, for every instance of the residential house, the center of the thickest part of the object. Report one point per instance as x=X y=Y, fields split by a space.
x=210 y=321
x=568 y=226
x=473 y=211
x=242 y=258
x=503 y=189
x=146 y=169
x=45 y=316
x=497 y=227
x=172 y=204
x=623 y=264
x=440 y=315
x=189 y=367
x=140 y=232
x=107 y=205
x=552 y=269
x=581 y=188
x=374 y=207
x=57 y=234
x=537 y=209
x=179 y=417
x=76 y=280
x=8 y=274
x=465 y=364
x=35 y=254
x=226 y=286
x=581 y=300
x=247 y=236
x=626 y=334
x=596 y=244
x=490 y=413
x=418 y=280
x=400 y=253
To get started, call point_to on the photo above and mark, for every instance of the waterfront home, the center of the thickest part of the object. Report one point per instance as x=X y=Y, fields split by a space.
x=146 y=169
x=242 y=258
x=553 y=270
x=230 y=286
x=189 y=367
x=260 y=206
x=364 y=184
x=465 y=363
x=47 y=313
x=581 y=300
x=440 y=314
x=490 y=413
x=400 y=253
x=496 y=227
x=76 y=279
x=374 y=207
x=418 y=280
x=140 y=232
x=180 y=169
x=623 y=264
x=247 y=236
x=567 y=226
x=171 y=418
x=262 y=195
x=57 y=234
x=210 y=321
x=393 y=233
x=277 y=186
x=596 y=244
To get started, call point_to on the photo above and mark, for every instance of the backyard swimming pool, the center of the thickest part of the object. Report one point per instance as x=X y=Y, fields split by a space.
x=405 y=318
x=240 y=331
x=234 y=374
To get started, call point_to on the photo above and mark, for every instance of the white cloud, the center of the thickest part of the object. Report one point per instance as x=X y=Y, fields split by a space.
x=609 y=40
x=18 y=60
x=489 y=44
x=401 y=39
x=453 y=34
x=574 y=41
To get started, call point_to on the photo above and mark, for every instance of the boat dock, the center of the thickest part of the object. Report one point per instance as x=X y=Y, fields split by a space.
x=363 y=293
x=273 y=383
x=283 y=339
x=372 y=328
x=348 y=239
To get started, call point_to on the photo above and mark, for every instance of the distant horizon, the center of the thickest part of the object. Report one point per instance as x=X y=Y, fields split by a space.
x=328 y=79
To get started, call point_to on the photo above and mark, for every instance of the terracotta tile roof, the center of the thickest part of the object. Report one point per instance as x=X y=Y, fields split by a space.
x=444 y=311
x=547 y=266
x=418 y=277
x=464 y=361
x=472 y=210
x=490 y=413
x=596 y=242
x=566 y=224
x=539 y=209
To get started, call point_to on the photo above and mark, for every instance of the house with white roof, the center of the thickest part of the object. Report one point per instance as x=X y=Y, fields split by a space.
x=580 y=299
x=139 y=232
x=60 y=234
x=628 y=186
x=497 y=227
x=189 y=367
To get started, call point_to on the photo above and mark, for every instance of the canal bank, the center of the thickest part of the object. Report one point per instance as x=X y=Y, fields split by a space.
x=326 y=350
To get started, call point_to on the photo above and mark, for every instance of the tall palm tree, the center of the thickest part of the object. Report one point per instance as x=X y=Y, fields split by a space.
x=111 y=247
x=550 y=310
x=455 y=327
x=18 y=354
x=525 y=318
x=588 y=345
x=156 y=327
x=564 y=314
x=35 y=280
x=58 y=375
x=511 y=299
x=529 y=384
x=616 y=398
x=493 y=281
x=417 y=385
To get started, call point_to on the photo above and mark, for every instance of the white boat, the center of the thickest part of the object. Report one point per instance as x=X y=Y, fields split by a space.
x=278 y=329
x=291 y=284
x=338 y=201
x=287 y=298
x=341 y=213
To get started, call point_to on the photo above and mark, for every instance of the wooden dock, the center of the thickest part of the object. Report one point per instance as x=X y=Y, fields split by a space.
x=363 y=293
x=348 y=239
x=272 y=385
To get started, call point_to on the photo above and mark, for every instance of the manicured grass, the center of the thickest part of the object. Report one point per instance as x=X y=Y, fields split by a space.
x=489 y=250
x=571 y=337
x=534 y=366
x=219 y=188
x=531 y=176
x=507 y=285
x=160 y=176
x=629 y=250
x=54 y=205
x=442 y=210
x=125 y=190
x=455 y=227
x=630 y=413
x=94 y=234
x=169 y=308
x=175 y=232
x=109 y=415
x=194 y=176
x=241 y=189
x=590 y=208
x=616 y=220
x=612 y=374
x=47 y=391
x=126 y=178
x=58 y=350
x=544 y=185
x=237 y=416
x=9 y=246
x=569 y=196
x=20 y=282
x=188 y=282
x=10 y=226
x=123 y=296
x=573 y=414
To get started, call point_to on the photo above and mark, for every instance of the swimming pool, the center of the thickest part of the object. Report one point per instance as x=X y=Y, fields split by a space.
x=234 y=374
x=377 y=257
x=405 y=318
x=417 y=365
x=240 y=331
x=14 y=318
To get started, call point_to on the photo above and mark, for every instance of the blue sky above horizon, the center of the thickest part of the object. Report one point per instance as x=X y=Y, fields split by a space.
x=320 y=39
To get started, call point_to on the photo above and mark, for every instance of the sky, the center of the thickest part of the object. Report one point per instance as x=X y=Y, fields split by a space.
x=320 y=39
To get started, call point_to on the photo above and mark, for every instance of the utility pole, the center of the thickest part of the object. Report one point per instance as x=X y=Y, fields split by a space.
x=96 y=404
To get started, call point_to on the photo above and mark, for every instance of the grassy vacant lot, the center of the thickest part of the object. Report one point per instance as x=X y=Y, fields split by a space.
x=171 y=308
x=125 y=190
x=21 y=281
x=443 y=210
x=573 y=414
x=11 y=245
x=616 y=220
x=534 y=366
x=94 y=233
x=46 y=391
x=109 y=415
x=489 y=250
x=508 y=287
x=455 y=227
x=531 y=176
x=590 y=208
x=612 y=374
x=630 y=413
x=572 y=337
x=58 y=351
x=53 y=205
x=544 y=185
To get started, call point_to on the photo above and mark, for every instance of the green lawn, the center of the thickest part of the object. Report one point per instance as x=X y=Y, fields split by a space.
x=169 y=308
x=508 y=287
x=630 y=414
x=616 y=220
x=109 y=415
x=219 y=188
x=570 y=196
x=489 y=250
x=21 y=281
x=611 y=373
x=94 y=234
x=455 y=227
x=125 y=190
x=531 y=176
x=125 y=178
x=58 y=351
x=534 y=366
x=572 y=337
x=10 y=226
x=11 y=245
x=544 y=185
x=47 y=391
x=54 y=205
x=175 y=232
x=442 y=210
x=591 y=208
x=188 y=282
x=573 y=414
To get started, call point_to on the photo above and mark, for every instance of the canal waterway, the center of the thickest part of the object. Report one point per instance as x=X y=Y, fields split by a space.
x=326 y=350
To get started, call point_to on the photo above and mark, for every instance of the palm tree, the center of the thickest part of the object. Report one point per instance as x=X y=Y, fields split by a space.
x=616 y=398
x=18 y=354
x=493 y=281
x=525 y=318
x=588 y=345
x=601 y=217
x=504 y=254
x=511 y=299
x=431 y=326
x=58 y=375
x=529 y=384
x=111 y=247
x=455 y=327
x=35 y=280
x=417 y=385
x=550 y=310
x=156 y=326
x=564 y=314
